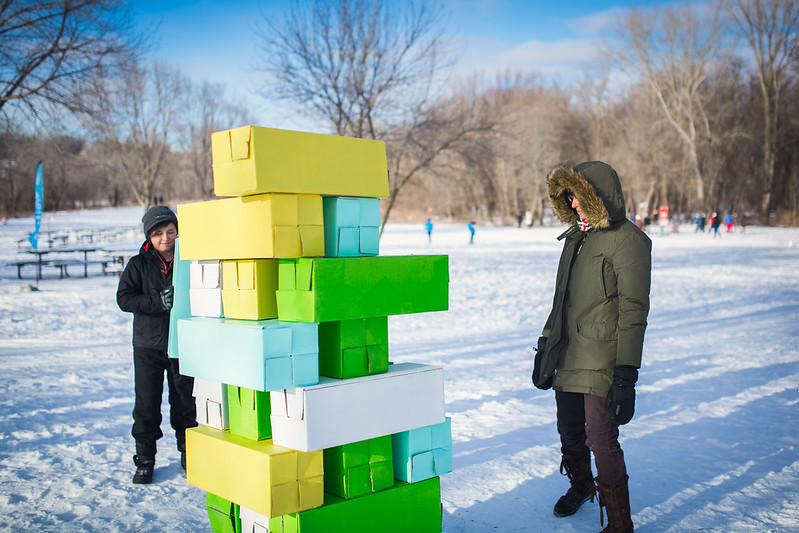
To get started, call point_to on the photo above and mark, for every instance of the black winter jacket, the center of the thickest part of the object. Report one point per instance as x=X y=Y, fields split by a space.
x=145 y=276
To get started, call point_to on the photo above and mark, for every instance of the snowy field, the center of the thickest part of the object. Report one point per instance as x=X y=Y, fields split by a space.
x=714 y=445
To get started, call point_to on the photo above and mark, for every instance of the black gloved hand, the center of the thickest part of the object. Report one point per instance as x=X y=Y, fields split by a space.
x=621 y=396
x=168 y=297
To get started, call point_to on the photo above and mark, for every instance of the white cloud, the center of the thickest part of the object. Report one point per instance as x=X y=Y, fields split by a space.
x=597 y=23
x=561 y=59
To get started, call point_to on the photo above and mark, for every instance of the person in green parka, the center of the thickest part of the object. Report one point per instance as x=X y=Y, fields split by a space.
x=591 y=346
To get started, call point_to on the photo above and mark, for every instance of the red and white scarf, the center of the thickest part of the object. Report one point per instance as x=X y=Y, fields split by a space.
x=583 y=225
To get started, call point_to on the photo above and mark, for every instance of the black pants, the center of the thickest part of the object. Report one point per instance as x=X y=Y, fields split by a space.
x=148 y=368
x=584 y=424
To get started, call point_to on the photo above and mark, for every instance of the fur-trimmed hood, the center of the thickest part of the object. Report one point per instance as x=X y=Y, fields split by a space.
x=596 y=186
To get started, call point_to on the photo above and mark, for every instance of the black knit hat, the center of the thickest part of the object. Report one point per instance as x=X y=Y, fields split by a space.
x=155 y=216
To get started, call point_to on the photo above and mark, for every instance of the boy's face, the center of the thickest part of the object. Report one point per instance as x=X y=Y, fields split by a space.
x=163 y=237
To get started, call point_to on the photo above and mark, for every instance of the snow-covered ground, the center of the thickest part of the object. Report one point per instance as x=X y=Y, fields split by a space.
x=714 y=445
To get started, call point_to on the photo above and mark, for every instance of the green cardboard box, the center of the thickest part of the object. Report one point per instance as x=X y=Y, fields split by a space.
x=222 y=514
x=404 y=508
x=359 y=468
x=353 y=348
x=343 y=288
x=249 y=412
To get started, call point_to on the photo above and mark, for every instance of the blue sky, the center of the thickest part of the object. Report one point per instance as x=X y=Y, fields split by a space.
x=215 y=41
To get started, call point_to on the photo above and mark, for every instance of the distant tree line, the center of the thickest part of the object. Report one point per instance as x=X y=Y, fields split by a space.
x=695 y=105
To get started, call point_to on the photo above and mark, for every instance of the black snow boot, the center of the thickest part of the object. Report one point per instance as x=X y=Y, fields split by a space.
x=582 y=484
x=615 y=500
x=145 y=463
x=182 y=450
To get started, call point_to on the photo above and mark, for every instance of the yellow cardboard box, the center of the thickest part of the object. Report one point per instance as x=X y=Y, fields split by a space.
x=269 y=479
x=253 y=227
x=248 y=289
x=253 y=160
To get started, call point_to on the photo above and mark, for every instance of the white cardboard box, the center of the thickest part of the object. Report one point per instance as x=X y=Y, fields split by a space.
x=252 y=522
x=341 y=411
x=205 y=292
x=212 y=405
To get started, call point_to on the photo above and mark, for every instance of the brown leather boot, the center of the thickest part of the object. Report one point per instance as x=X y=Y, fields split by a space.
x=616 y=501
x=582 y=484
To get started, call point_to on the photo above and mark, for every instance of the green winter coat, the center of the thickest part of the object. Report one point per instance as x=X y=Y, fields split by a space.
x=601 y=298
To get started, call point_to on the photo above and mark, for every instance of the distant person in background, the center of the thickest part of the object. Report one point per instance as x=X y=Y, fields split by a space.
x=729 y=222
x=470 y=225
x=700 y=223
x=715 y=222
x=428 y=226
x=145 y=289
x=591 y=346
x=742 y=222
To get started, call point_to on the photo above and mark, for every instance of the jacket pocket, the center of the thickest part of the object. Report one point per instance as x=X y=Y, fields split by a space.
x=605 y=285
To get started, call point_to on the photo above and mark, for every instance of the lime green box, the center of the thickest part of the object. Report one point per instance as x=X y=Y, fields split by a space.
x=404 y=508
x=329 y=289
x=353 y=348
x=249 y=411
x=252 y=160
x=222 y=514
x=359 y=468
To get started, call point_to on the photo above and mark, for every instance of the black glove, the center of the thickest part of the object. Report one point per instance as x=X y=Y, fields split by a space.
x=168 y=297
x=621 y=396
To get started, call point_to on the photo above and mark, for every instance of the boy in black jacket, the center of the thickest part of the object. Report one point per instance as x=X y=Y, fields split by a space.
x=145 y=289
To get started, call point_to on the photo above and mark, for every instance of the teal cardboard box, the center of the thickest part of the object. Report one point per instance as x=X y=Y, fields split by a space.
x=256 y=354
x=181 y=308
x=423 y=453
x=249 y=412
x=353 y=348
x=359 y=468
x=352 y=226
x=223 y=514
x=329 y=289
x=404 y=508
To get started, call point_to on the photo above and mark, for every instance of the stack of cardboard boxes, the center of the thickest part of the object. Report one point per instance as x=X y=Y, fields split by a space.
x=281 y=316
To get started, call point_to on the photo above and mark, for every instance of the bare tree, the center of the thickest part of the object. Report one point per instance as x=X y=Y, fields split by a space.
x=137 y=116
x=446 y=128
x=208 y=110
x=673 y=50
x=367 y=68
x=353 y=63
x=771 y=29
x=48 y=49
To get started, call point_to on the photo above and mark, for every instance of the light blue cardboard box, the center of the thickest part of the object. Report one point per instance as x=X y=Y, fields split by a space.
x=262 y=355
x=423 y=453
x=351 y=226
x=181 y=276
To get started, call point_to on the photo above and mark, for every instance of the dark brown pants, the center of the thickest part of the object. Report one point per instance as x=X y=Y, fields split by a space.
x=584 y=424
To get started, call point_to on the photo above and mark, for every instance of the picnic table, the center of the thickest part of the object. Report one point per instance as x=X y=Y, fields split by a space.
x=43 y=258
